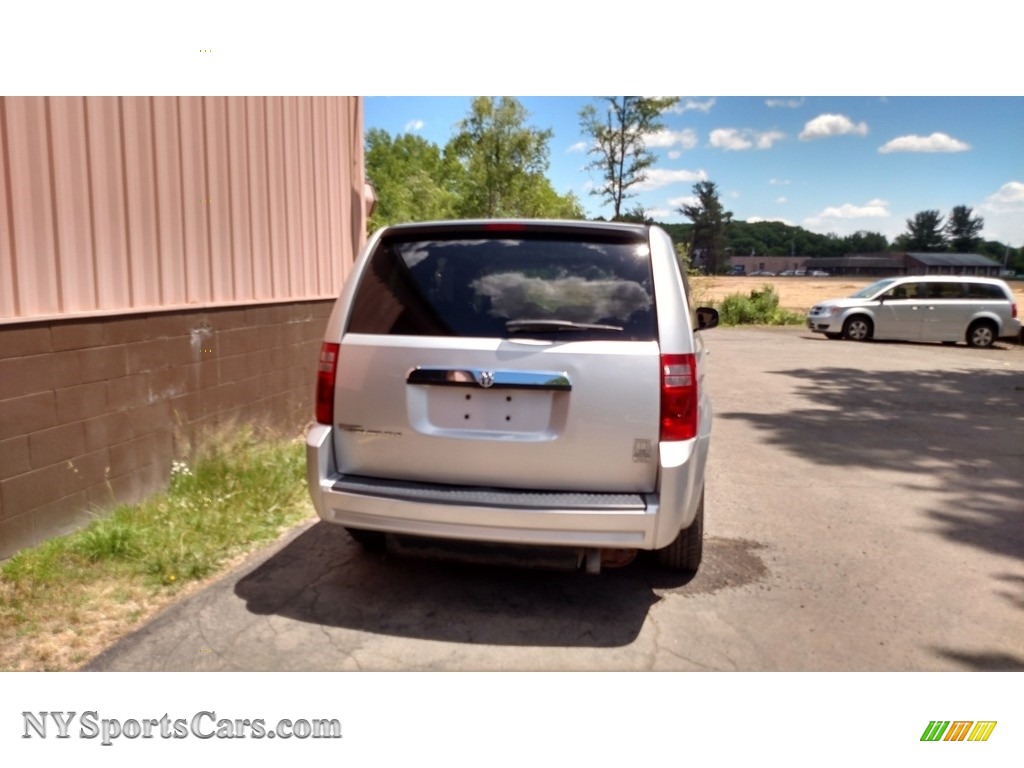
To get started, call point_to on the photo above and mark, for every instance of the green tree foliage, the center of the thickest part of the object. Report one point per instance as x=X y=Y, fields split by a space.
x=710 y=225
x=925 y=233
x=619 y=149
x=503 y=163
x=963 y=229
x=412 y=179
x=866 y=242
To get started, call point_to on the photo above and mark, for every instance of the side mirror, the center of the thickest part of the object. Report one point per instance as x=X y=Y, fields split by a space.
x=707 y=317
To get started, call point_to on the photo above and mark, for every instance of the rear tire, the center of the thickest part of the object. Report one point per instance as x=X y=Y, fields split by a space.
x=371 y=541
x=684 y=554
x=858 y=328
x=981 y=334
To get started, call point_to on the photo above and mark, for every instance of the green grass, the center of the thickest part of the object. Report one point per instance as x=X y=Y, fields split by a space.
x=235 y=493
x=761 y=307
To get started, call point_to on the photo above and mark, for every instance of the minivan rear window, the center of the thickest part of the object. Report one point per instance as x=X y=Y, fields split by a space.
x=512 y=284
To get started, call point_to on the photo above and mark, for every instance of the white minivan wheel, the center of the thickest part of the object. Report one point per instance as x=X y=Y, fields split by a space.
x=684 y=554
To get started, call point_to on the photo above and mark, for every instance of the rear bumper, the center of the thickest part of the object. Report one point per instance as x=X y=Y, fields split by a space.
x=628 y=521
x=1011 y=329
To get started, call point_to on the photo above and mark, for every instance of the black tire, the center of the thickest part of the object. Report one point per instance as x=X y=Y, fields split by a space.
x=858 y=328
x=981 y=334
x=684 y=554
x=833 y=336
x=371 y=541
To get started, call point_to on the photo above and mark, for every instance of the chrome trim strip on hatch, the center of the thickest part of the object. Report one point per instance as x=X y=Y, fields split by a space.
x=478 y=377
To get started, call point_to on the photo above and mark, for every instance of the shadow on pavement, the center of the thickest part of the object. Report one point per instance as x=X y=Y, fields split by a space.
x=323 y=577
x=984 y=662
x=963 y=430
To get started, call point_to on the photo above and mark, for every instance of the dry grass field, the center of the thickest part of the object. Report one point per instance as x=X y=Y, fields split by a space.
x=797 y=294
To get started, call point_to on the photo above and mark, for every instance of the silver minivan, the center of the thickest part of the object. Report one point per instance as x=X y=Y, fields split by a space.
x=527 y=383
x=945 y=308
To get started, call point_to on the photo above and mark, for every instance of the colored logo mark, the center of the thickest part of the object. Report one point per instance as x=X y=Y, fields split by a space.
x=958 y=730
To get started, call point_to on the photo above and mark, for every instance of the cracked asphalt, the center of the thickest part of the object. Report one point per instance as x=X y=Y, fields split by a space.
x=865 y=511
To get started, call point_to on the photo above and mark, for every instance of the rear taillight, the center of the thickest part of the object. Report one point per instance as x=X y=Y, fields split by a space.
x=325 y=383
x=678 y=397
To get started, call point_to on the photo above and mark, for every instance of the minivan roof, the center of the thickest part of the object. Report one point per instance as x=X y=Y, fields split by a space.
x=948 y=279
x=550 y=225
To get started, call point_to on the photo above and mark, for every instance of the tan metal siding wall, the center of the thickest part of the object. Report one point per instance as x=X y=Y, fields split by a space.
x=120 y=204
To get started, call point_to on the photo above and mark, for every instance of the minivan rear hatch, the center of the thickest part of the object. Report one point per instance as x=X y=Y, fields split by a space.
x=516 y=356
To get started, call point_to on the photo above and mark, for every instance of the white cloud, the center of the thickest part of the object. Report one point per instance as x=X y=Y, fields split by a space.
x=729 y=139
x=790 y=103
x=832 y=125
x=766 y=139
x=733 y=139
x=734 y=195
x=755 y=219
x=658 y=214
x=937 y=142
x=687 y=139
x=830 y=218
x=679 y=202
x=1011 y=193
x=414 y=125
x=661 y=177
x=781 y=200
x=779 y=181
x=674 y=154
x=849 y=211
x=691 y=105
x=579 y=146
x=1004 y=214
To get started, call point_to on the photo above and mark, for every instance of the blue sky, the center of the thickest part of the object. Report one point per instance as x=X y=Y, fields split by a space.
x=829 y=164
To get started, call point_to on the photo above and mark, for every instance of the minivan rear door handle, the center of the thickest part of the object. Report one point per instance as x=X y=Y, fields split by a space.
x=479 y=377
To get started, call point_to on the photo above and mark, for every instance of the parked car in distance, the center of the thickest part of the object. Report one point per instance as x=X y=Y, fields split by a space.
x=941 y=308
x=516 y=384
x=762 y=273
x=818 y=273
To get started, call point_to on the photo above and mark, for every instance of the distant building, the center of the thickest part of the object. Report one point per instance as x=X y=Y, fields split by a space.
x=904 y=263
x=951 y=264
x=774 y=264
x=864 y=265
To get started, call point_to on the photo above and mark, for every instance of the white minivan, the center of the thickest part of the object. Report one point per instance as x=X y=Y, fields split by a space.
x=516 y=383
x=945 y=308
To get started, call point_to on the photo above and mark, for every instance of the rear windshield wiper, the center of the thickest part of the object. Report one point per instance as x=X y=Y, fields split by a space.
x=554 y=326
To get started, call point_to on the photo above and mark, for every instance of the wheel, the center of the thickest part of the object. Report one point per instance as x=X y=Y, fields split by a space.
x=981 y=334
x=833 y=336
x=685 y=552
x=371 y=541
x=858 y=328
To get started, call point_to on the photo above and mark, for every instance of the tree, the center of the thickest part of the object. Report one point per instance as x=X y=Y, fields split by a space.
x=710 y=222
x=862 y=241
x=963 y=230
x=412 y=180
x=503 y=162
x=924 y=233
x=619 y=143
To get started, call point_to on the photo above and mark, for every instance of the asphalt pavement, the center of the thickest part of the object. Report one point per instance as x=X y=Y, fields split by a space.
x=865 y=511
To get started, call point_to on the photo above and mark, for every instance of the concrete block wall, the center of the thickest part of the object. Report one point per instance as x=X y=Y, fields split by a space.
x=93 y=410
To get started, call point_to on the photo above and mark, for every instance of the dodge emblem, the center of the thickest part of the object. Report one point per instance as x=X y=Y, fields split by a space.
x=486 y=379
